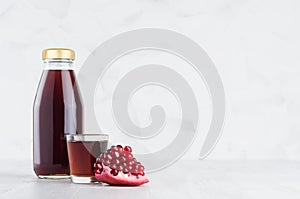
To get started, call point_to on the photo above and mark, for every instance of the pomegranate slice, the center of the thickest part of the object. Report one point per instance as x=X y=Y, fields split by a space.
x=117 y=166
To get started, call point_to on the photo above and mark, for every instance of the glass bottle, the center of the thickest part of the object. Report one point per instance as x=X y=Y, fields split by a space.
x=57 y=112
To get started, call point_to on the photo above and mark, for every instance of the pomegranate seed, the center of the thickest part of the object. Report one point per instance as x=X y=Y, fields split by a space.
x=119 y=167
x=113 y=166
x=114 y=172
x=131 y=162
x=142 y=173
x=125 y=171
x=98 y=171
x=116 y=154
x=106 y=162
x=116 y=161
x=120 y=148
x=129 y=156
x=98 y=164
x=142 y=168
x=123 y=159
x=128 y=148
x=114 y=148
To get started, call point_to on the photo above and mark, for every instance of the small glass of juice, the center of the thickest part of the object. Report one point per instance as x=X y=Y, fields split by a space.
x=83 y=150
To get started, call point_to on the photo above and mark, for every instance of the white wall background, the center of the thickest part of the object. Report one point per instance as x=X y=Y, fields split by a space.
x=254 y=45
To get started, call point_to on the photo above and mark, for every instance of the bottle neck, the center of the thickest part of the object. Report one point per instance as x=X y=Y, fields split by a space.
x=58 y=64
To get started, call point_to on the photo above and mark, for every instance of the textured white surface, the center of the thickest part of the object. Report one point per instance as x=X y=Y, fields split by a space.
x=204 y=179
x=254 y=44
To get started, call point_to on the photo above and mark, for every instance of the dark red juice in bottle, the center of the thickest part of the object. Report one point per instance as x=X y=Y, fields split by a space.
x=57 y=112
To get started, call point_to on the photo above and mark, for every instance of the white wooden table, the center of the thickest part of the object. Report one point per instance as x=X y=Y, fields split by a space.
x=184 y=179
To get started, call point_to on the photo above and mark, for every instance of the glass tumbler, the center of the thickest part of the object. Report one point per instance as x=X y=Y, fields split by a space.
x=83 y=149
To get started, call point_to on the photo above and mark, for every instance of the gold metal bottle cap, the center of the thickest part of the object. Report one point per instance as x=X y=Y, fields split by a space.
x=58 y=53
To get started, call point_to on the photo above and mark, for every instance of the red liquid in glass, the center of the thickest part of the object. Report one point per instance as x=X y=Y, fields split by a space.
x=57 y=112
x=82 y=156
